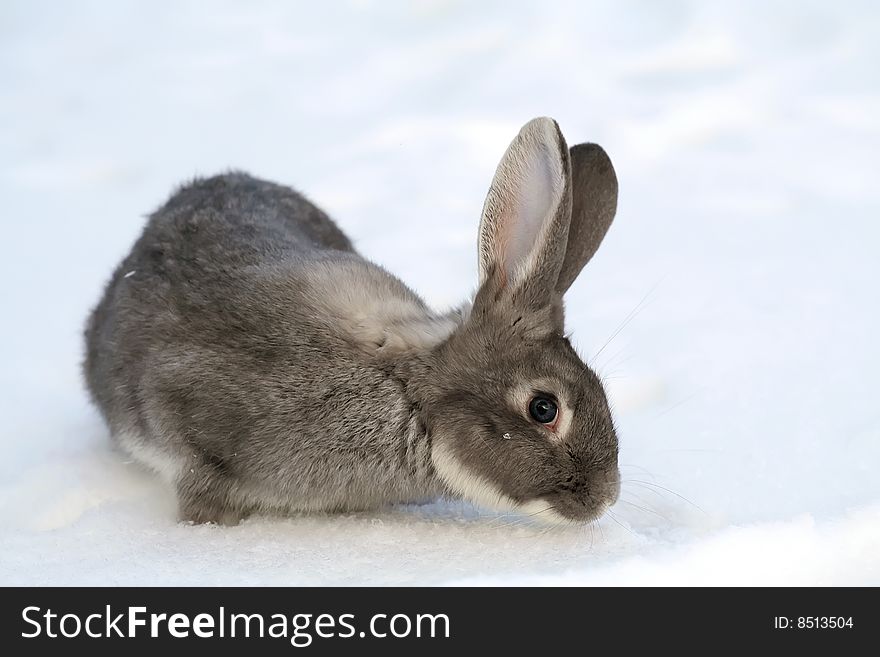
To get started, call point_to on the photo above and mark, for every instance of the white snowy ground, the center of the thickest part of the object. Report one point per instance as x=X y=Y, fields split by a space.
x=745 y=138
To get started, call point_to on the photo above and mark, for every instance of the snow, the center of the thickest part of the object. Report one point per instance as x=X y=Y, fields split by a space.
x=743 y=259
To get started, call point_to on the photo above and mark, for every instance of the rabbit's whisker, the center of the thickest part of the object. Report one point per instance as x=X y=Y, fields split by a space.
x=632 y=313
x=645 y=509
x=668 y=490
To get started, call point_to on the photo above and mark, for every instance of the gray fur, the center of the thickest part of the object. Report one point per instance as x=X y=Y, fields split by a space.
x=249 y=354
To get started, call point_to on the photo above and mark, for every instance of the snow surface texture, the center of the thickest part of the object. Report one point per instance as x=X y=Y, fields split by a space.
x=745 y=383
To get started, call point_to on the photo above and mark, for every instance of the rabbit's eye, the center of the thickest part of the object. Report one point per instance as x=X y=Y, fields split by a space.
x=543 y=410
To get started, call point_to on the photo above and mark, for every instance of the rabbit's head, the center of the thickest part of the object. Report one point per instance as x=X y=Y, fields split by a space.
x=521 y=422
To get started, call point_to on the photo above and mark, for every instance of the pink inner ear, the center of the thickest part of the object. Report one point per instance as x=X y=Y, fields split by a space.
x=516 y=227
x=534 y=188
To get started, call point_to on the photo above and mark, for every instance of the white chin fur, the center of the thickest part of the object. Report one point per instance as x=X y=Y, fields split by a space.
x=477 y=490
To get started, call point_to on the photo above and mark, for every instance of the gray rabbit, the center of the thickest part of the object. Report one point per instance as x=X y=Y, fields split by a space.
x=246 y=352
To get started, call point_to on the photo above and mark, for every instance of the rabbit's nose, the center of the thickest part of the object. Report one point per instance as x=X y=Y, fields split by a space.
x=596 y=492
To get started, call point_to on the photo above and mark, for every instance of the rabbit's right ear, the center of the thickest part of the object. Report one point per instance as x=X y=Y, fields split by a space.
x=524 y=227
x=594 y=203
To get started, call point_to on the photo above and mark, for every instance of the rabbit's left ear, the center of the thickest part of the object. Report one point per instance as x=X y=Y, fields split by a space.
x=524 y=226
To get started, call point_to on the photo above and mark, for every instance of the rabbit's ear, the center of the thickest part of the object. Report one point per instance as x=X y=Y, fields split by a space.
x=594 y=202
x=524 y=227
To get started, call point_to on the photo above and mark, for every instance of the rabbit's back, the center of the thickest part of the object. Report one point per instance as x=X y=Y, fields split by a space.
x=242 y=220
